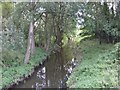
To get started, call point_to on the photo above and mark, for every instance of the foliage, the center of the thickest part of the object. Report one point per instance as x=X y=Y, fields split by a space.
x=9 y=57
x=97 y=69
x=15 y=24
x=7 y=8
x=16 y=70
x=100 y=19
x=116 y=51
x=55 y=23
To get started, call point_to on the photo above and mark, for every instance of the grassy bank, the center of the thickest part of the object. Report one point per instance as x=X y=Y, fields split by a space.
x=98 y=67
x=14 y=71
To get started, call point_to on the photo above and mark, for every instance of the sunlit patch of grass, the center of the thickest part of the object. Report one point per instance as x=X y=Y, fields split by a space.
x=98 y=68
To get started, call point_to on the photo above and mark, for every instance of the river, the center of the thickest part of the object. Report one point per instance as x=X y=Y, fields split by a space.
x=53 y=73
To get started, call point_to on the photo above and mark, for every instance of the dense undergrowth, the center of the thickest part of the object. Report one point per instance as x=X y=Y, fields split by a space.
x=98 y=67
x=13 y=67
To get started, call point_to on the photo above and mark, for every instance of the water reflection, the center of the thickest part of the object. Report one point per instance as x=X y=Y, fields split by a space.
x=54 y=73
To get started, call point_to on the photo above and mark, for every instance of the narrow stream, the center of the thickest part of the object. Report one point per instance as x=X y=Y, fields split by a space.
x=53 y=73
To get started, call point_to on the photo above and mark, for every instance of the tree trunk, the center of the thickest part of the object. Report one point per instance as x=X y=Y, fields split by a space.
x=32 y=39
x=46 y=34
x=31 y=44
x=97 y=23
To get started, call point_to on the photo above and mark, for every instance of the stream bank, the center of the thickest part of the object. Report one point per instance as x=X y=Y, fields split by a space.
x=19 y=72
x=53 y=73
x=98 y=67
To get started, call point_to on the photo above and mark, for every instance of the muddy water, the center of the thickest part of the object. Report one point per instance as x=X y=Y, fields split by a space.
x=53 y=73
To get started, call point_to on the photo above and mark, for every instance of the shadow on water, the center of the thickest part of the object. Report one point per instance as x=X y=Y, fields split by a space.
x=53 y=73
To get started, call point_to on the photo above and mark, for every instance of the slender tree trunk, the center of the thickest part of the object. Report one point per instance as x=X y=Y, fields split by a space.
x=45 y=32
x=40 y=43
x=97 y=25
x=32 y=39
x=27 y=55
x=31 y=42
x=60 y=25
x=48 y=34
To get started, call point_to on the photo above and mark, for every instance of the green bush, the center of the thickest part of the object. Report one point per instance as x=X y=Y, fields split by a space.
x=11 y=57
x=117 y=51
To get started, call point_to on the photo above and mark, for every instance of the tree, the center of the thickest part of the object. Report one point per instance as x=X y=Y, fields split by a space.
x=31 y=42
x=99 y=19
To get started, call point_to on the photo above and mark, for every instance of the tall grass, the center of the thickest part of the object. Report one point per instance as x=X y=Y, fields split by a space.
x=98 y=67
